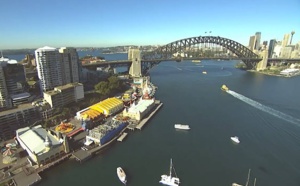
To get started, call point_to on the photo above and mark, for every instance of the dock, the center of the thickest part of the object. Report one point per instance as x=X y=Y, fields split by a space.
x=145 y=120
x=122 y=137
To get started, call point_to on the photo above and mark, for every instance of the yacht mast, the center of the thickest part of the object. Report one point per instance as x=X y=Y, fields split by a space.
x=171 y=168
x=248 y=177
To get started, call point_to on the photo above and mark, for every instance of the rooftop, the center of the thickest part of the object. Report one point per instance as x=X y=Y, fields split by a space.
x=46 y=48
x=34 y=138
x=19 y=108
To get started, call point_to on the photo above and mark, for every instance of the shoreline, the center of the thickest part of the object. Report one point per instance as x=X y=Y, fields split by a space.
x=270 y=74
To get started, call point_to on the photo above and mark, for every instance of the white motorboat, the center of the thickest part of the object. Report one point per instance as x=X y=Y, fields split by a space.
x=183 y=127
x=235 y=139
x=168 y=179
x=121 y=175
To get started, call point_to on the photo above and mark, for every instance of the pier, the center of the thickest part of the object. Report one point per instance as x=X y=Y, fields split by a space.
x=121 y=138
x=145 y=120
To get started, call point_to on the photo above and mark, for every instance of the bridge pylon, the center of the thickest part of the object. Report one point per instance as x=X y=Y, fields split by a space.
x=135 y=69
x=261 y=65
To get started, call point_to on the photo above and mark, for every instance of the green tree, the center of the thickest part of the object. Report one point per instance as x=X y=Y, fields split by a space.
x=103 y=88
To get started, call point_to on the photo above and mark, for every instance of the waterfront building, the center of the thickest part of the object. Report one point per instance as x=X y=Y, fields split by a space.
x=271 y=48
x=285 y=40
x=139 y=110
x=12 y=119
x=252 y=42
x=108 y=106
x=257 y=41
x=295 y=54
x=41 y=145
x=48 y=68
x=12 y=81
x=65 y=94
x=277 y=51
x=71 y=66
x=286 y=52
x=100 y=110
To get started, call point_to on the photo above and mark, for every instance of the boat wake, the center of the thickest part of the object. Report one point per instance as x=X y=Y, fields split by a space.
x=178 y=68
x=264 y=108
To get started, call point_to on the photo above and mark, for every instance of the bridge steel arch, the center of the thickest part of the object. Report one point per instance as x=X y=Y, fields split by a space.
x=165 y=52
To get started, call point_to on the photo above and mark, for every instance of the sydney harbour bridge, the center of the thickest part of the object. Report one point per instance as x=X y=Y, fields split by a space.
x=194 y=48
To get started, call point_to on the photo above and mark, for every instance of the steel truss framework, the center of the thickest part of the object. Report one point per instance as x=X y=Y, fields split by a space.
x=166 y=52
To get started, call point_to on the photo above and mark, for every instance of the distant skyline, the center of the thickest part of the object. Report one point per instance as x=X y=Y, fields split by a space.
x=93 y=23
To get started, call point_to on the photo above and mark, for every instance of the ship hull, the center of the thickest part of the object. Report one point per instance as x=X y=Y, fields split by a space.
x=111 y=134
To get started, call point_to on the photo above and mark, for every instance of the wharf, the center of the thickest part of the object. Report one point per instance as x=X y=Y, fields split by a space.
x=145 y=120
x=121 y=138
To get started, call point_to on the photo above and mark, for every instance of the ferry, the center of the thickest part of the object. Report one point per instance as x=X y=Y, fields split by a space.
x=224 y=88
x=121 y=174
x=182 y=127
x=196 y=61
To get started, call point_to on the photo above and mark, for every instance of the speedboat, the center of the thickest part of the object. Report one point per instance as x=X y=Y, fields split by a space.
x=121 y=175
x=235 y=139
x=224 y=88
x=168 y=179
x=183 y=127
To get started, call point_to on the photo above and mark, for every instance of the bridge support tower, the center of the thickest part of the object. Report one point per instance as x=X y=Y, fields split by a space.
x=135 y=69
x=263 y=63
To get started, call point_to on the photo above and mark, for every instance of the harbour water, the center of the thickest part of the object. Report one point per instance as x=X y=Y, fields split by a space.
x=263 y=111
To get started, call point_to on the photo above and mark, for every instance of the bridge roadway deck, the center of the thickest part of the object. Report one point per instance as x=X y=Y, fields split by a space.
x=128 y=62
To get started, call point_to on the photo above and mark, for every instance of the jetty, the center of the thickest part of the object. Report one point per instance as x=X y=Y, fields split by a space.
x=145 y=120
x=121 y=138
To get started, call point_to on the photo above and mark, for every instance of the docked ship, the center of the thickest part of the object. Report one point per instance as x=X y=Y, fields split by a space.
x=105 y=132
x=182 y=127
x=196 y=61
x=224 y=88
x=121 y=174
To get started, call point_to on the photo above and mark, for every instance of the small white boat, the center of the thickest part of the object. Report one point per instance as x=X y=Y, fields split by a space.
x=121 y=175
x=182 y=127
x=235 y=139
x=168 y=179
x=204 y=72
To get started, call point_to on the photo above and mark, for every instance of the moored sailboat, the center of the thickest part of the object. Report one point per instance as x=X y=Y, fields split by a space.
x=168 y=179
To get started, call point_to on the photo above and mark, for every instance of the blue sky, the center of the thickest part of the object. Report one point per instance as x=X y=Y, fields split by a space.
x=101 y=23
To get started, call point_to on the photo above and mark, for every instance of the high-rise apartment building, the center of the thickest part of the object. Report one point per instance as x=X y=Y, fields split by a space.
x=252 y=42
x=271 y=48
x=257 y=42
x=49 y=66
x=71 y=66
x=285 y=40
x=12 y=81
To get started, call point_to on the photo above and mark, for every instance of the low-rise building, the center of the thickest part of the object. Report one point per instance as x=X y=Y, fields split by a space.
x=41 y=145
x=108 y=106
x=139 y=110
x=13 y=119
x=63 y=95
